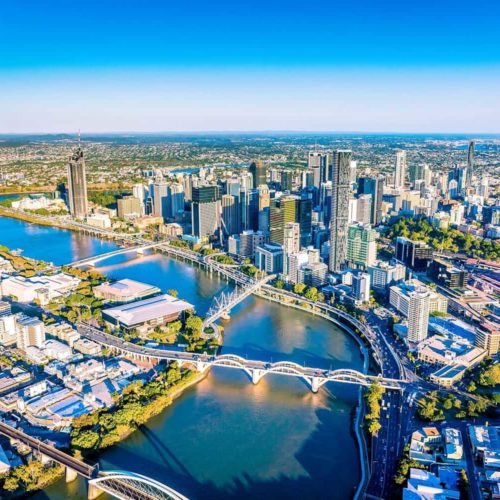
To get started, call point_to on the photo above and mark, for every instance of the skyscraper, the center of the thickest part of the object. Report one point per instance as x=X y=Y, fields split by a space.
x=319 y=164
x=206 y=211
x=400 y=169
x=77 y=185
x=259 y=174
x=364 y=208
x=470 y=164
x=230 y=215
x=282 y=211
x=361 y=245
x=340 y=209
x=375 y=187
x=414 y=302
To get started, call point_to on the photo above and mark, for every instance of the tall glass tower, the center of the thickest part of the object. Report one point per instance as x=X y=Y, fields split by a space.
x=341 y=186
x=470 y=164
x=77 y=185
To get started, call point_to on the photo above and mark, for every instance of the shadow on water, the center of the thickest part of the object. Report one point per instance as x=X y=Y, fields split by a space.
x=321 y=479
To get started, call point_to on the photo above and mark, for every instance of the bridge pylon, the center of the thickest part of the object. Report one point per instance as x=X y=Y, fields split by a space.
x=257 y=375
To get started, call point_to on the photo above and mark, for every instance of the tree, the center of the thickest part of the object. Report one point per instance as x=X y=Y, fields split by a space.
x=472 y=386
x=86 y=439
x=299 y=288
x=172 y=292
x=194 y=325
x=279 y=284
x=312 y=294
x=11 y=484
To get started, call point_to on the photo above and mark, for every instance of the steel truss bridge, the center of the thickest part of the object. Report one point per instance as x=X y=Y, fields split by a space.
x=120 y=484
x=223 y=303
x=314 y=377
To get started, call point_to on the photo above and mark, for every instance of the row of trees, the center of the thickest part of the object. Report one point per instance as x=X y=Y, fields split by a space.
x=30 y=477
x=420 y=229
x=373 y=396
x=138 y=402
x=26 y=267
x=432 y=406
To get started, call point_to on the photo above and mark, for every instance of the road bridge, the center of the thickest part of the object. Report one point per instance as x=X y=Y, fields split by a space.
x=314 y=377
x=120 y=484
x=92 y=261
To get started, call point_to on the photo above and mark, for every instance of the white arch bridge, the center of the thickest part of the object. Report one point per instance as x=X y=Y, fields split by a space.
x=131 y=486
x=123 y=485
x=314 y=377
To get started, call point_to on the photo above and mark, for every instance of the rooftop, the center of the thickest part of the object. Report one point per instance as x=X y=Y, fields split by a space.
x=148 y=309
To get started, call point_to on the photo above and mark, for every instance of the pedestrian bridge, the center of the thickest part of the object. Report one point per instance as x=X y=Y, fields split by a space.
x=314 y=377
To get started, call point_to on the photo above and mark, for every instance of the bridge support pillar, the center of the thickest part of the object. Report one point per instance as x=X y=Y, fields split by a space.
x=257 y=375
x=93 y=491
x=201 y=366
x=71 y=475
x=315 y=385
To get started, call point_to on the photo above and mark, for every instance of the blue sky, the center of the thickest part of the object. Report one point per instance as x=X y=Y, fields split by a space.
x=378 y=65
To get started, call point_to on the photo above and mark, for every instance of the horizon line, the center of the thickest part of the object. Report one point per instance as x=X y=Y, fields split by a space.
x=240 y=131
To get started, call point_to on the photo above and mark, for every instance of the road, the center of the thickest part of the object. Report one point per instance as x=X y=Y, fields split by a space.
x=315 y=376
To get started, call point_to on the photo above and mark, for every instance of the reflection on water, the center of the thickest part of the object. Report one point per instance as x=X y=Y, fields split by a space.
x=225 y=437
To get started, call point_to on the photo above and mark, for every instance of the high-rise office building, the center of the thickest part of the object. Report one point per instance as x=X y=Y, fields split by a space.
x=364 y=208
x=414 y=254
x=413 y=301
x=318 y=163
x=457 y=181
x=264 y=203
x=400 y=169
x=470 y=164
x=361 y=286
x=291 y=239
x=375 y=187
x=160 y=199
x=230 y=215
x=259 y=173
x=361 y=245
x=340 y=209
x=77 y=185
x=286 y=180
x=385 y=274
x=304 y=218
x=249 y=207
x=128 y=206
x=282 y=211
x=206 y=211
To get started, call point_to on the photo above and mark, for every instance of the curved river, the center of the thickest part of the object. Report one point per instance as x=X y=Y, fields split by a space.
x=224 y=437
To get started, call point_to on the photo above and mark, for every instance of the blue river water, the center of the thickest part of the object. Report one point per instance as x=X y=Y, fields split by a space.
x=225 y=437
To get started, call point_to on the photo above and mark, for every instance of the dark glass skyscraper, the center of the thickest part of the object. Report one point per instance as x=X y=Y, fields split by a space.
x=259 y=173
x=77 y=185
x=470 y=164
x=340 y=209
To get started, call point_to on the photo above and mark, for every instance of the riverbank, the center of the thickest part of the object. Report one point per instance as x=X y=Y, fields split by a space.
x=308 y=426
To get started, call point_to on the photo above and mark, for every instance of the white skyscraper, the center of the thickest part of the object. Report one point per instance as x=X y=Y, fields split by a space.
x=400 y=169
x=414 y=302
